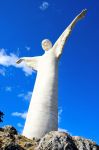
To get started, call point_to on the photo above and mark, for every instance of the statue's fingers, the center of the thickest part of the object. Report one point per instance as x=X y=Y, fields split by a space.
x=82 y=14
x=84 y=11
x=19 y=61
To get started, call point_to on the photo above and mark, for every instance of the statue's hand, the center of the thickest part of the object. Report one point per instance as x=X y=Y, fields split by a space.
x=19 y=61
x=82 y=14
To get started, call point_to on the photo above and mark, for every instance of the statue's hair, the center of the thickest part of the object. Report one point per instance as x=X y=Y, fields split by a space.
x=46 y=40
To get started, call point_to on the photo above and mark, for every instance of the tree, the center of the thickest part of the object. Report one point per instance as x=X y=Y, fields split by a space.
x=1 y=116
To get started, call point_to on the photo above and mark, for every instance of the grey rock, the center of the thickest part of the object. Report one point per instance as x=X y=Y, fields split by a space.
x=12 y=146
x=84 y=144
x=10 y=130
x=27 y=144
x=11 y=140
x=54 y=140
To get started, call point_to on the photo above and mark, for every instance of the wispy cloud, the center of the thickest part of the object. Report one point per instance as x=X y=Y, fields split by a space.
x=19 y=125
x=21 y=115
x=10 y=60
x=27 y=48
x=59 y=114
x=8 y=88
x=26 y=96
x=63 y=130
x=3 y=71
x=44 y=5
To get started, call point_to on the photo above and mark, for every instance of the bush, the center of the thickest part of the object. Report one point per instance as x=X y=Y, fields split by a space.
x=1 y=116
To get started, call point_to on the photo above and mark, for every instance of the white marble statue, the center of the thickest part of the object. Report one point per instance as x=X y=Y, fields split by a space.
x=42 y=115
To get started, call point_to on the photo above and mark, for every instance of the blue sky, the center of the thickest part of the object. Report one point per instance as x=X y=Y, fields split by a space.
x=23 y=25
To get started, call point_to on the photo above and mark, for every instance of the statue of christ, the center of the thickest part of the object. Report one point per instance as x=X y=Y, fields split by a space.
x=42 y=116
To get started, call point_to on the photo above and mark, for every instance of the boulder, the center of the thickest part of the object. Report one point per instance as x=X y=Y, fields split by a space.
x=54 y=140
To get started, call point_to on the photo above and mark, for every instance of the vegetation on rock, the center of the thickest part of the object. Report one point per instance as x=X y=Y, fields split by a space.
x=55 y=140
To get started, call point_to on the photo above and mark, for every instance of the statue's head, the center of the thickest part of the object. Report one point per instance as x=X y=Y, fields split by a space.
x=46 y=44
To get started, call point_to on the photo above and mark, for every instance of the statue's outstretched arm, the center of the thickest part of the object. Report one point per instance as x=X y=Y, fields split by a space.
x=31 y=62
x=59 y=44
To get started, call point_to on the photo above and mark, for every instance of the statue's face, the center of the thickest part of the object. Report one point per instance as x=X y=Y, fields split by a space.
x=46 y=44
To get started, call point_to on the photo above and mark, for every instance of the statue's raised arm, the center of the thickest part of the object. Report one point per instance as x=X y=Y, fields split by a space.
x=59 y=44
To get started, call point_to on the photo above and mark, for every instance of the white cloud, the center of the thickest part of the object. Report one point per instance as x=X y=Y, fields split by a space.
x=20 y=128
x=10 y=60
x=62 y=130
x=28 y=48
x=19 y=125
x=2 y=72
x=59 y=114
x=44 y=5
x=8 y=89
x=21 y=115
x=26 y=96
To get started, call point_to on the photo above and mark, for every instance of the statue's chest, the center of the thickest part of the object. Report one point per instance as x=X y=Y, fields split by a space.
x=48 y=62
x=49 y=58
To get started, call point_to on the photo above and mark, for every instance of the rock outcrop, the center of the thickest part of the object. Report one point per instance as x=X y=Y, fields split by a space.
x=11 y=140
x=55 y=140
